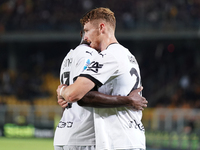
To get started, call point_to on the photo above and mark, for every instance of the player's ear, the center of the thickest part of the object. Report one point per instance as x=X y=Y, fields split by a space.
x=81 y=33
x=102 y=27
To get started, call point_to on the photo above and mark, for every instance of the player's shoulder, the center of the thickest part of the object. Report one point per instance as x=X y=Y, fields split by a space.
x=69 y=54
x=116 y=46
x=116 y=49
x=84 y=49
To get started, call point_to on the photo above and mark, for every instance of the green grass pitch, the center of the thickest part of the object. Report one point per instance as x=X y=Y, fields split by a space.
x=26 y=144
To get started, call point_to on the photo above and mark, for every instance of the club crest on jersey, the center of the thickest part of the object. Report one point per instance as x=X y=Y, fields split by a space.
x=131 y=59
x=94 y=66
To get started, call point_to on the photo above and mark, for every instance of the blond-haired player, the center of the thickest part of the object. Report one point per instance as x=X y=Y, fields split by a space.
x=114 y=71
x=76 y=127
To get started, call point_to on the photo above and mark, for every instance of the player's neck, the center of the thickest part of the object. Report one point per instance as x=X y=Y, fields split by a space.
x=107 y=41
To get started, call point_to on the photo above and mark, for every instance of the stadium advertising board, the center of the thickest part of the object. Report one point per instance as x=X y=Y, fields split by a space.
x=13 y=130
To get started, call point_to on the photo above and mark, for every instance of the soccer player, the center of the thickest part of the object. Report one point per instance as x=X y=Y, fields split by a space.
x=76 y=127
x=116 y=72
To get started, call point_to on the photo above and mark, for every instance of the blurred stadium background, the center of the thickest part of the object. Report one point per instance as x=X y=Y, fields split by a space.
x=35 y=35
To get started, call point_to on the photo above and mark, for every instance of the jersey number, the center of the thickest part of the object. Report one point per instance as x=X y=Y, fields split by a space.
x=65 y=78
x=133 y=71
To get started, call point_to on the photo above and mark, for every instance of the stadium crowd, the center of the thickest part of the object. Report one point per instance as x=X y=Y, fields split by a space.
x=171 y=78
x=173 y=66
x=61 y=15
x=169 y=67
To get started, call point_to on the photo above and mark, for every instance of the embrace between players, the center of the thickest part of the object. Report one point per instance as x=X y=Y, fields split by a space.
x=100 y=91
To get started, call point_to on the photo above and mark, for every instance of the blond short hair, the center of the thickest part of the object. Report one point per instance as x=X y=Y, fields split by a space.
x=100 y=14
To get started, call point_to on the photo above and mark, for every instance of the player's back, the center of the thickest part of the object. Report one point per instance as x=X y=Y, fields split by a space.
x=127 y=75
x=118 y=128
x=76 y=126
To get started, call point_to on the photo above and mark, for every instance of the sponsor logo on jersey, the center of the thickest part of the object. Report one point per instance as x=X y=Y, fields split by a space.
x=64 y=124
x=136 y=125
x=94 y=66
x=102 y=54
x=87 y=64
x=89 y=52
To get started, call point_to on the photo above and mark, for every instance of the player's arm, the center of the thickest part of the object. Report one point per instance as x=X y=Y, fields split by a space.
x=75 y=91
x=99 y=100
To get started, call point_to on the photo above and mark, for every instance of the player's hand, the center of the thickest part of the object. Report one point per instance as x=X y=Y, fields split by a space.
x=62 y=102
x=139 y=102
x=58 y=90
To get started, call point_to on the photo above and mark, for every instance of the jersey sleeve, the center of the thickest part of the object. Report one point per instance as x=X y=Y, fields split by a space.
x=101 y=68
x=84 y=58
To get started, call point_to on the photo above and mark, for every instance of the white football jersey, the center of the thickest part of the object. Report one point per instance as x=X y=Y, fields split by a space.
x=76 y=126
x=116 y=72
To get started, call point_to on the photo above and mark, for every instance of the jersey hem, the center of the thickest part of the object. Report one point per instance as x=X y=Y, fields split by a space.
x=131 y=147
x=76 y=144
